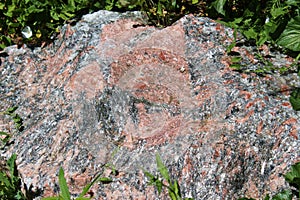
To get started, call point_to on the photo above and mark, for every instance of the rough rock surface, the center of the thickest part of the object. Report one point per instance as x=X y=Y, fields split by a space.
x=111 y=90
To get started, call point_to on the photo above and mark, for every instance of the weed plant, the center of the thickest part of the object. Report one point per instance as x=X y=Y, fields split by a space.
x=64 y=189
x=172 y=185
x=273 y=21
x=292 y=177
x=10 y=181
x=4 y=136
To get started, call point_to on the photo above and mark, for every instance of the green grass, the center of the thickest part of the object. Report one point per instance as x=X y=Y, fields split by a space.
x=18 y=122
x=10 y=181
x=158 y=181
x=64 y=189
x=272 y=22
x=292 y=177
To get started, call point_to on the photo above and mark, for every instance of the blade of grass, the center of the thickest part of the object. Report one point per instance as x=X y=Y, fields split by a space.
x=88 y=186
x=4 y=180
x=65 y=194
x=162 y=168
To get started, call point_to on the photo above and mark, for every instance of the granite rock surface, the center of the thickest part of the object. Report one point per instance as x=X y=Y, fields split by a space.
x=111 y=92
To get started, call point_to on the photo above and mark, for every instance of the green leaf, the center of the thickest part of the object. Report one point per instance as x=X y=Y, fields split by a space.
x=232 y=44
x=6 y=39
x=4 y=180
x=54 y=15
x=176 y=188
x=267 y=197
x=236 y=59
x=290 y=38
x=69 y=15
x=63 y=16
x=172 y=195
x=11 y=110
x=2 y=46
x=219 y=6
x=263 y=37
x=10 y=10
x=159 y=9
x=2 y=5
x=159 y=185
x=107 y=7
x=14 y=25
x=248 y=14
x=236 y=21
x=162 y=169
x=151 y=177
x=295 y=100
x=65 y=194
x=88 y=186
x=6 y=137
x=51 y=198
x=250 y=34
x=17 y=119
x=4 y=133
x=236 y=66
x=154 y=181
x=284 y=195
x=293 y=177
x=71 y=4
x=292 y=2
x=11 y=163
x=31 y=9
x=105 y=180
x=276 y=12
x=229 y=48
x=271 y=26
x=83 y=198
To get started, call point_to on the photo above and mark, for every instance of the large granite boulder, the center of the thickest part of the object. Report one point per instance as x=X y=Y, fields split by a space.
x=112 y=91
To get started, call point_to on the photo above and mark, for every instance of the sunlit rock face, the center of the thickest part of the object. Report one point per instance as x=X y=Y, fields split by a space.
x=113 y=91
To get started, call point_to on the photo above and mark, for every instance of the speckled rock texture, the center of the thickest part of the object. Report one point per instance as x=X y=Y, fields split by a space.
x=112 y=91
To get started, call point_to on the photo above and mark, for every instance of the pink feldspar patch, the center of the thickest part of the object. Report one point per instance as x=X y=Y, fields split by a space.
x=161 y=79
x=89 y=80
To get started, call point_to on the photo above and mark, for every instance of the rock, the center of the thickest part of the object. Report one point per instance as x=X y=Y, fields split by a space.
x=113 y=91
